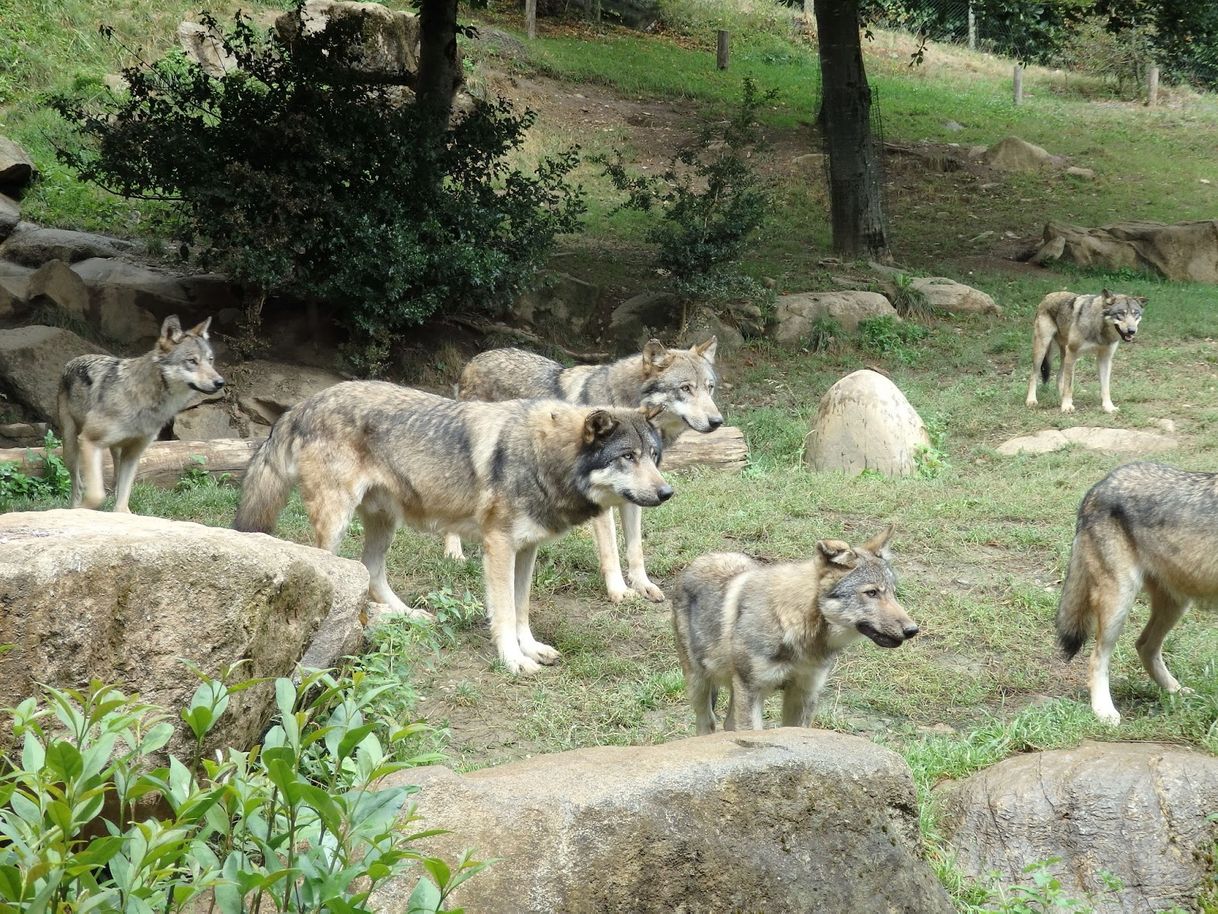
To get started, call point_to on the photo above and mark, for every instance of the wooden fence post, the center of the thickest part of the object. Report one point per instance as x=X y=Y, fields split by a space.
x=972 y=27
x=1018 y=84
x=530 y=18
x=721 y=52
x=1152 y=85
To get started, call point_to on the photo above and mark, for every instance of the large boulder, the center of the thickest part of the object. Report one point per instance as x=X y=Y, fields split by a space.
x=34 y=246
x=561 y=304
x=137 y=296
x=55 y=284
x=641 y=317
x=1139 y=811
x=796 y=313
x=389 y=39
x=10 y=215
x=208 y=421
x=787 y=820
x=1013 y=154
x=1184 y=251
x=14 y=289
x=31 y=363
x=1129 y=441
x=125 y=599
x=16 y=167
x=948 y=295
x=266 y=390
x=863 y=423
x=206 y=48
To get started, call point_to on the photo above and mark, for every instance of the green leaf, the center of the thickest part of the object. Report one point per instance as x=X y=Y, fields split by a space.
x=425 y=899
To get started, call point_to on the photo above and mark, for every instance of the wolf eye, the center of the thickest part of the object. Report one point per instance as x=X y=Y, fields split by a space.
x=687 y=388
x=192 y=363
x=871 y=592
x=629 y=458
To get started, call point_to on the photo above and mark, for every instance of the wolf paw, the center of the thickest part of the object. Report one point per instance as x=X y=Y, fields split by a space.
x=1109 y=716
x=542 y=653
x=1109 y=408
x=646 y=589
x=452 y=548
x=520 y=665
x=617 y=595
x=1067 y=407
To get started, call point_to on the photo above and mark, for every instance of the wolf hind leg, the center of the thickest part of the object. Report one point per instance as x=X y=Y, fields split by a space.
x=526 y=558
x=452 y=547
x=1165 y=611
x=701 y=693
x=632 y=529
x=1042 y=348
x=1113 y=598
x=379 y=530
x=329 y=509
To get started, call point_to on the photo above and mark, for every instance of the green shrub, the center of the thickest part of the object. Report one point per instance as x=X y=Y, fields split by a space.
x=298 y=824
x=300 y=177
x=890 y=338
x=711 y=201
x=55 y=481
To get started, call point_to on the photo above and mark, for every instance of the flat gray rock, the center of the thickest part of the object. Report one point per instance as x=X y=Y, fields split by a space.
x=1093 y=438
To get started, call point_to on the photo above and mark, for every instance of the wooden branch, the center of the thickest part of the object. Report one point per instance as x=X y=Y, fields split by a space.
x=723 y=449
x=165 y=461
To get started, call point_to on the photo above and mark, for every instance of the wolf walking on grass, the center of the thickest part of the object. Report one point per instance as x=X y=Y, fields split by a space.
x=1144 y=526
x=678 y=382
x=122 y=404
x=513 y=474
x=755 y=629
x=1078 y=324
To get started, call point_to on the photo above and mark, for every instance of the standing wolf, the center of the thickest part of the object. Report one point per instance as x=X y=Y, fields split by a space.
x=515 y=474
x=1143 y=526
x=681 y=382
x=1077 y=324
x=121 y=404
x=755 y=628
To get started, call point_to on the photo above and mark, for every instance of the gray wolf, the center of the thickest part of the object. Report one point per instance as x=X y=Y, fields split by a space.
x=755 y=628
x=514 y=474
x=1144 y=526
x=121 y=404
x=1078 y=324
x=680 y=382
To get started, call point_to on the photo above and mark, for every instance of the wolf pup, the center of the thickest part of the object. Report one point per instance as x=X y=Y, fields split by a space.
x=121 y=404
x=514 y=474
x=755 y=628
x=1077 y=324
x=1144 y=526
x=681 y=382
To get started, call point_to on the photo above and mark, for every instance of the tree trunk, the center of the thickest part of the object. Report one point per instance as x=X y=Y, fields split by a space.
x=855 y=180
x=438 y=75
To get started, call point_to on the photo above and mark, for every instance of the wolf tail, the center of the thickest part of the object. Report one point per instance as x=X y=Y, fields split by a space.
x=1046 y=364
x=1075 y=619
x=268 y=483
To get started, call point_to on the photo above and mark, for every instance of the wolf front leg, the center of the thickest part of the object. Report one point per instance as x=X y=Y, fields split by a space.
x=747 y=702
x=529 y=646
x=1065 y=379
x=605 y=535
x=499 y=574
x=632 y=529
x=1105 y=359
x=126 y=462
x=90 y=460
x=802 y=695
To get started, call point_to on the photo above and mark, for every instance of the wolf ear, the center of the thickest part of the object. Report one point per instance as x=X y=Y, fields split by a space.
x=599 y=424
x=171 y=333
x=878 y=544
x=707 y=349
x=1141 y=300
x=1106 y=295
x=651 y=413
x=655 y=357
x=837 y=553
x=199 y=330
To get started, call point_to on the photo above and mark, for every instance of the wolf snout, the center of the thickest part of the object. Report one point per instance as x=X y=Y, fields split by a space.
x=910 y=630
x=714 y=422
x=664 y=492
x=217 y=384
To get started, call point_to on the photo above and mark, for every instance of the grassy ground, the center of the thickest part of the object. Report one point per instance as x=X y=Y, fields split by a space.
x=982 y=539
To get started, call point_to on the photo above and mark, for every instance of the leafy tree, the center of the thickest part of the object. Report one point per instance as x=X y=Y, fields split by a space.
x=300 y=176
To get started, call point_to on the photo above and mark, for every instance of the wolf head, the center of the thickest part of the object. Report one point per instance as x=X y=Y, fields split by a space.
x=682 y=383
x=185 y=357
x=1124 y=312
x=858 y=589
x=622 y=449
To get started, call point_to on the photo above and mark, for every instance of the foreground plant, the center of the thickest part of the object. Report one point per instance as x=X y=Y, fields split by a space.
x=90 y=819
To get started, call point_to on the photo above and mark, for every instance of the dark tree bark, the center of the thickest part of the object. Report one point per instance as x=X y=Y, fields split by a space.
x=439 y=74
x=856 y=200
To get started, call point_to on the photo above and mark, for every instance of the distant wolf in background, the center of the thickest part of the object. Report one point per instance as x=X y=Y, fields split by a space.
x=755 y=628
x=681 y=382
x=514 y=474
x=1077 y=324
x=122 y=404
x=1144 y=526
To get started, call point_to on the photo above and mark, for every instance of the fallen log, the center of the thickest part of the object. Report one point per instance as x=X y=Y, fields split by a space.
x=165 y=461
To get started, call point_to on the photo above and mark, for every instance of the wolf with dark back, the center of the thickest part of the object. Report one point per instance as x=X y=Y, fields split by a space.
x=754 y=629
x=120 y=405
x=679 y=382
x=513 y=474
x=1144 y=526
x=1078 y=324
